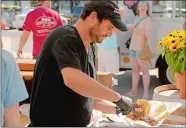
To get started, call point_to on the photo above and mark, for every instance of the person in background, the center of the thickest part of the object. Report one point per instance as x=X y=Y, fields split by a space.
x=140 y=33
x=108 y=53
x=13 y=90
x=41 y=21
x=3 y=24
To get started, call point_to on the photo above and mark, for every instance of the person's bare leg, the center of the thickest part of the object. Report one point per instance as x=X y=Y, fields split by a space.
x=135 y=76
x=144 y=67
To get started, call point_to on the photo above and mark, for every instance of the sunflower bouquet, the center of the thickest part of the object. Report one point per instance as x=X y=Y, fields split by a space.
x=173 y=47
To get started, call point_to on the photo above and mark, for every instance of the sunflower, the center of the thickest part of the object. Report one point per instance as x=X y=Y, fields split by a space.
x=173 y=33
x=160 y=44
x=182 y=35
x=165 y=41
x=182 y=44
x=173 y=47
x=173 y=40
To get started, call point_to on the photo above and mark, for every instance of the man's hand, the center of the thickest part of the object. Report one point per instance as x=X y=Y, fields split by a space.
x=124 y=105
x=19 y=53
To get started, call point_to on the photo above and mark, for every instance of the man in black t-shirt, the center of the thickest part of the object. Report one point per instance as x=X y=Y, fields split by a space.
x=64 y=89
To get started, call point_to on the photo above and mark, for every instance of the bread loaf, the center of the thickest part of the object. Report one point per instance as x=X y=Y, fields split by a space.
x=146 y=105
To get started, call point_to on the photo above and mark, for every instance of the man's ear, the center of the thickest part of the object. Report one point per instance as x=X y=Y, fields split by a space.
x=93 y=16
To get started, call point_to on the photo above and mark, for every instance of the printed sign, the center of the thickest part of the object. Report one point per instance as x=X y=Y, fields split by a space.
x=45 y=22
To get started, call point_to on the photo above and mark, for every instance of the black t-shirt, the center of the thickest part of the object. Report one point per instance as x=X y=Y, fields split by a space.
x=52 y=102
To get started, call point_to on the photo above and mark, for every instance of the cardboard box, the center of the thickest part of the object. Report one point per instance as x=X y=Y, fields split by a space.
x=105 y=78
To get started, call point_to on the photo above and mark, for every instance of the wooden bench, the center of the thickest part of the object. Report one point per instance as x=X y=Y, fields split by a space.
x=26 y=64
x=27 y=75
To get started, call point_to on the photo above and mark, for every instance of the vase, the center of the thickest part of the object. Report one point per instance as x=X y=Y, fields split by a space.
x=181 y=84
x=177 y=77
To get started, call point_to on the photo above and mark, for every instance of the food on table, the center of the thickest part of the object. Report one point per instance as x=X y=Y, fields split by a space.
x=161 y=108
x=146 y=105
x=160 y=112
x=161 y=116
x=141 y=112
x=149 y=120
x=137 y=113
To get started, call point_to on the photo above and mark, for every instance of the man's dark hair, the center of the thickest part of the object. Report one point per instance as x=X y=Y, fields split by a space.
x=97 y=6
x=39 y=2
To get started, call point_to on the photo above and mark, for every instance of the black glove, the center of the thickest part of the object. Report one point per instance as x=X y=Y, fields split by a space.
x=124 y=105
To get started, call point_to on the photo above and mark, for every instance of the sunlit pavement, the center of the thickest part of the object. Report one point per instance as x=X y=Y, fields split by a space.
x=125 y=83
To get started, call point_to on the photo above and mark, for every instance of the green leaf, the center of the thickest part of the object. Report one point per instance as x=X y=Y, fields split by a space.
x=176 y=60
x=163 y=54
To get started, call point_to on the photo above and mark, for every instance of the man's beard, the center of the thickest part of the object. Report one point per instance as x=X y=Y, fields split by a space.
x=99 y=40
x=95 y=38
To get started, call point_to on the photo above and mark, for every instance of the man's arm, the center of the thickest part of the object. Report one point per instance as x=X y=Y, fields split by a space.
x=27 y=27
x=67 y=55
x=69 y=61
x=11 y=116
x=104 y=106
x=86 y=86
x=22 y=42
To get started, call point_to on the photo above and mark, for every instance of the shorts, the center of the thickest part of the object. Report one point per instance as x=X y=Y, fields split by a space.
x=134 y=54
